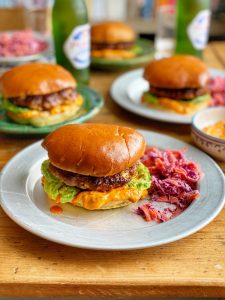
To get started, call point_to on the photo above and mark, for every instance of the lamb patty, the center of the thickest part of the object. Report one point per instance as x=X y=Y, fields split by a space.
x=179 y=94
x=100 y=184
x=46 y=102
x=121 y=45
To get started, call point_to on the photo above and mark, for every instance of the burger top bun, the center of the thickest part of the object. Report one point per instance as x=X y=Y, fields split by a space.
x=35 y=79
x=177 y=72
x=94 y=149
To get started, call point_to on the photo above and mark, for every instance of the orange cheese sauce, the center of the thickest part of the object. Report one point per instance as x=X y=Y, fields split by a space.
x=113 y=53
x=217 y=129
x=95 y=200
x=181 y=108
x=55 y=110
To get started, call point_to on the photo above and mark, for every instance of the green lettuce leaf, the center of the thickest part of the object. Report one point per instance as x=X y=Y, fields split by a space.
x=136 y=49
x=150 y=98
x=142 y=180
x=9 y=106
x=68 y=193
x=154 y=100
x=54 y=187
x=200 y=99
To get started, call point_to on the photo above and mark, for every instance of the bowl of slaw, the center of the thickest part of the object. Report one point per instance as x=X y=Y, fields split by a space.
x=22 y=46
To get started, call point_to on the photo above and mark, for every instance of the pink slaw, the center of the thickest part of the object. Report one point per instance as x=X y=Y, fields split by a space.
x=20 y=43
x=217 y=89
x=174 y=181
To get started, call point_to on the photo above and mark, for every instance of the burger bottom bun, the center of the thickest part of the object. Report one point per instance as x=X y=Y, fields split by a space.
x=177 y=106
x=112 y=53
x=45 y=118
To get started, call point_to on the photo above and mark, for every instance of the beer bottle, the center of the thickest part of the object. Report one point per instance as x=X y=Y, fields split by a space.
x=71 y=35
x=192 y=26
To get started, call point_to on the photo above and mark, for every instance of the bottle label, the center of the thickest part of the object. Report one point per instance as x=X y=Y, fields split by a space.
x=198 y=29
x=77 y=47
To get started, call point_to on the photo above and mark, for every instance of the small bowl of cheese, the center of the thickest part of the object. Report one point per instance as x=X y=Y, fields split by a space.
x=208 y=131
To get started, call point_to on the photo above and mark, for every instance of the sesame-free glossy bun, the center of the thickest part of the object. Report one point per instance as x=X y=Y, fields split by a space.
x=35 y=79
x=112 y=32
x=94 y=149
x=179 y=71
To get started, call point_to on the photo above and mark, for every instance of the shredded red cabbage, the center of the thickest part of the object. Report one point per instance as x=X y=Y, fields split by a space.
x=20 y=43
x=217 y=88
x=174 y=180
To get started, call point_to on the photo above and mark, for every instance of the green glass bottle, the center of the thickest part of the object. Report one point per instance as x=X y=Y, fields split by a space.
x=192 y=26
x=71 y=35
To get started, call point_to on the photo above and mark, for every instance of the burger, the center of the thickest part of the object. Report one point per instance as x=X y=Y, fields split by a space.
x=113 y=40
x=178 y=84
x=95 y=166
x=40 y=94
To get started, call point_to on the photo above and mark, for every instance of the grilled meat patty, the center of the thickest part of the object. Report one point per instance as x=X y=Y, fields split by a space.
x=179 y=94
x=46 y=102
x=100 y=46
x=100 y=184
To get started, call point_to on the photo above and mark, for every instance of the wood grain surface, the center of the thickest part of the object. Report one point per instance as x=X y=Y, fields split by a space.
x=194 y=266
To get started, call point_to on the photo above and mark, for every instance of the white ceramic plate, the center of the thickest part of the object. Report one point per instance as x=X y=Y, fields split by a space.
x=127 y=90
x=24 y=201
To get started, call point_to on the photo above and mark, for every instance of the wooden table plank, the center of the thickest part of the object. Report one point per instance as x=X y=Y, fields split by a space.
x=31 y=266
x=218 y=49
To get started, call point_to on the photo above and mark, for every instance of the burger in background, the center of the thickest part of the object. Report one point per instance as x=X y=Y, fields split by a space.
x=113 y=40
x=39 y=94
x=178 y=84
x=101 y=170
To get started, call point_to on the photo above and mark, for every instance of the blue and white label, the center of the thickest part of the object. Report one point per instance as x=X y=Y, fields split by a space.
x=198 y=29
x=77 y=47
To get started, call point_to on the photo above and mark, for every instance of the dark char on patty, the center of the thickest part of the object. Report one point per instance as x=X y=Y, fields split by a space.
x=121 y=45
x=46 y=102
x=92 y=183
x=179 y=94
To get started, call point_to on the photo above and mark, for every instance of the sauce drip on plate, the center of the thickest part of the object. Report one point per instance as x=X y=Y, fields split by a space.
x=56 y=209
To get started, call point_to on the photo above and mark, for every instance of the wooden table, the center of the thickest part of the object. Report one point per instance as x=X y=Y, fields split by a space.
x=194 y=266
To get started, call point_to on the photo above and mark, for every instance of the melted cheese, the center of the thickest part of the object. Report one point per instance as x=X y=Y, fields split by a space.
x=55 y=110
x=179 y=107
x=29 y=114
x=61 y=108
x=112 y=53
x=95 y=200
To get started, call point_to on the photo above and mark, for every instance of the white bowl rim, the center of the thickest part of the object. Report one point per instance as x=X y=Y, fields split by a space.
x=200 y=131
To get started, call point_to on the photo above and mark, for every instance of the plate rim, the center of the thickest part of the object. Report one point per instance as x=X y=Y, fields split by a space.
x=143 y=245
x=134 y=108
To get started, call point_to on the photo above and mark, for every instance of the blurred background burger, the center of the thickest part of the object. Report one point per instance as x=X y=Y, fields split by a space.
x=40 y=94
x=113 y=40
x=178 y=84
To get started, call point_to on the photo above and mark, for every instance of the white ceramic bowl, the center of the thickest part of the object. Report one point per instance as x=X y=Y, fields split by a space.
x=212 y=145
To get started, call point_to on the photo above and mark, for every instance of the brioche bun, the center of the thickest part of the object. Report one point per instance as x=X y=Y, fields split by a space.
x=112 y=32
x=178 y=71
x=35 y=79
x=94 y=149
